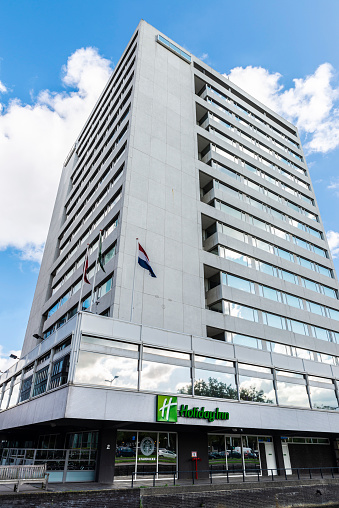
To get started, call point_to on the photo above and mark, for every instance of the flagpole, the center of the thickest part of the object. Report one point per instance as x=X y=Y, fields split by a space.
x=135 y=266
x=95 y=275
x=83 y=280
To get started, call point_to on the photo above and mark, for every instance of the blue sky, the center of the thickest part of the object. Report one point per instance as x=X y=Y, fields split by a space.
x=48 y=85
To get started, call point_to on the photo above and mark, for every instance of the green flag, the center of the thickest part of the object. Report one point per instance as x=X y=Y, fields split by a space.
x=100 y=257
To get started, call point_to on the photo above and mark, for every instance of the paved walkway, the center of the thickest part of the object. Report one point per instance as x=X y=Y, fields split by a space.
x=125 y=483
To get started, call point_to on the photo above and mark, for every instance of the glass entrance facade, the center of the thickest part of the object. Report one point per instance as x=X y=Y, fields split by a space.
x=235 y=453
x=145 y=453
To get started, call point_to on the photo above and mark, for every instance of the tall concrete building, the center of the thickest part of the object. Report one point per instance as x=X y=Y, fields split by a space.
x=232 y=350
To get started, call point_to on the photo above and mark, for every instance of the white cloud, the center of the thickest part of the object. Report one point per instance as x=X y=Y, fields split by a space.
x=204 y=56
x=3 y=88
x=5 y=361
x=34 y=141
x=311 y=104
x=333 y=241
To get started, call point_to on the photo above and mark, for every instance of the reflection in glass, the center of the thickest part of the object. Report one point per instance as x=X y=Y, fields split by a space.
x=106 y=370
x=209 y=383
x=323 y=398
x=256 y=389
x=5 y=397
x=234 y=454
x=147 y=452
x=251 y=453
x=216 y=452
x=291 y=394
x=15 y=392
x=163 y=377
x=244 y=340
x=167 y=452
x=125 y=453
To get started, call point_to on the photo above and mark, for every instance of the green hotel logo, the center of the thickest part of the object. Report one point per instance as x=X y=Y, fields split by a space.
x=167 y=411
x=167 y=408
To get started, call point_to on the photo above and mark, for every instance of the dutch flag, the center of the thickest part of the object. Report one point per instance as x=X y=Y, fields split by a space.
x=144 y=261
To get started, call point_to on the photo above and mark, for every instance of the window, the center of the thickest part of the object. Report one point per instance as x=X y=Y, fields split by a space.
x=210 y=383
x=105 y=287
x=256 y=389
x=26 y=388
x=59 y=375
x=40 y=383
x=107 y=370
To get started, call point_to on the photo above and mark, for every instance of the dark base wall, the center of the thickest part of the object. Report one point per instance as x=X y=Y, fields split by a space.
x=188 y=442
x=310 y=494
x=309 y=455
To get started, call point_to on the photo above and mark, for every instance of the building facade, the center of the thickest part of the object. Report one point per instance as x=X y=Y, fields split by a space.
x=232 y=351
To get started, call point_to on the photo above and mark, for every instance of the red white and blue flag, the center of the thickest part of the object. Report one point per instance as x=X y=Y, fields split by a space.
x=144 y=261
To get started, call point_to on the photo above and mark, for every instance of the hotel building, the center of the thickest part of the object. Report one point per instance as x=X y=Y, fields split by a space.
x=232 y=351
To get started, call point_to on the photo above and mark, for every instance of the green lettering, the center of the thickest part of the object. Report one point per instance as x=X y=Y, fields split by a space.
x=183 y=410
x=201 y=413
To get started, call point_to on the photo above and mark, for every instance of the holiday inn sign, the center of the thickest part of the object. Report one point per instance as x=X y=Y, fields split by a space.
x=167 y=411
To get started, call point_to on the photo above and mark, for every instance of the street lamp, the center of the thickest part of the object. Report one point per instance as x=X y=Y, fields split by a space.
x=111 y=380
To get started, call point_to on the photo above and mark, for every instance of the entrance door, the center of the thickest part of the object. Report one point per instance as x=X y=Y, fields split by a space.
x=287 y=460
x=270 y=458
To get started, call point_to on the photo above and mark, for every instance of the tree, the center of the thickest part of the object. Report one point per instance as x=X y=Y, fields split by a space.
x=215 y=388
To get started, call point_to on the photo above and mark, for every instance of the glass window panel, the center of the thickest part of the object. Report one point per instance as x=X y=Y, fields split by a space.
x=251 y=453
x=286 y=373
x=234 y=233
x=276 y=214
x=255 y=368
x=216 y=452
x=280 y=233
x=306 y=263
x=15 y=392
x=244 y=340
x=324 y=358
x=289 y=277
x=209 y=383
x=301 y=243
x=253 y=185
x=334 y=314
x=320 y=380
x=263 y=245
x=259 y=223
x=167 y=452
x=294 y=301
x=303 y=353
x=266 y=268
x=213 y=361
x=166 y=352
x=109 y=343
x=106 y=370
x=104 y=288
x=243 y=312
x=147 y=451
x=274 y=320
x=282 y=349
x=271 y=293
x=290 y=394
x=322 y=398
x=316 y=308
x=285 y=254
x=309 y=284
x=163 y=377
x=256 y=390
x=329 y=292
x=324 y=271
x=5 y=397
x=299 y=327
x=231 y=211
x=238 y=283
x=236 y=256
x=320 y=333
x=319 y=251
